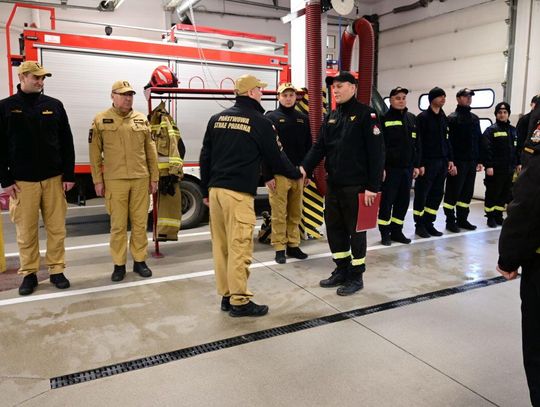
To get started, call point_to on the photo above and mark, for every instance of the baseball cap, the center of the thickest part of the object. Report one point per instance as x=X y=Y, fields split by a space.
x=247 y=82
x=34 y=68
x=397 y=90
x=286 y=86
x=342 y=76
x=122 y=87
x=465 y=92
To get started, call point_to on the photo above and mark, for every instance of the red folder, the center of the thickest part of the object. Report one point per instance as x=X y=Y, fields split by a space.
x=367 y=215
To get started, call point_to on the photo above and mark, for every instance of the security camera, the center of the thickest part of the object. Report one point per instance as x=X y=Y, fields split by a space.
x=106 y=5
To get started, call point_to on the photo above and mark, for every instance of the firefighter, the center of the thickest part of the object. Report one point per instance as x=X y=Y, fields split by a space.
x=235 y=143
x=436 y=159
x=352 y=143
x=522 y=126
x=285 y=194
x=124 y=170
x=501 y=162
x=170 y=163
x=401 y=166
x=519 y=245
x=465 y=137
x=37 y=165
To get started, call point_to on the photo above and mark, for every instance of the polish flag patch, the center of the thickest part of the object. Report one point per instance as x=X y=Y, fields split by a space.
x=373 y=115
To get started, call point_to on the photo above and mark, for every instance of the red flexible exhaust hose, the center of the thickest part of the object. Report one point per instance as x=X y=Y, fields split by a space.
x=314 y=79
x=362 y=29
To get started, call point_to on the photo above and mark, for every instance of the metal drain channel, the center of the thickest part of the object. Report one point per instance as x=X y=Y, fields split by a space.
x=123 y=367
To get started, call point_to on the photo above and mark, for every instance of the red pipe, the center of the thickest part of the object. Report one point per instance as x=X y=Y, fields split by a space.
x=362 y=29
x=314 y=79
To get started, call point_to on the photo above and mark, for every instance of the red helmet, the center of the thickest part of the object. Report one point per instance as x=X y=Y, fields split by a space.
x=163 y=77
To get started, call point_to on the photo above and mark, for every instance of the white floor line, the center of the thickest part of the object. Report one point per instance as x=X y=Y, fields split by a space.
x=206 y=273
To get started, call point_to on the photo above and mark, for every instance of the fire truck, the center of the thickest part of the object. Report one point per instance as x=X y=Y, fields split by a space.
x=85 y=66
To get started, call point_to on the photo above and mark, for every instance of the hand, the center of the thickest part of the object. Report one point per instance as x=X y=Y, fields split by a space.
x=67 y=185
x=12 y=191
x=479 y=167
x=369 y=197
x=509 y=275
x=489 y=172
x=100 y=189
x=271 y=185
x=153 y=187
x=422 y=171
x=415 y=172
x=452 y=169
x=206 y=201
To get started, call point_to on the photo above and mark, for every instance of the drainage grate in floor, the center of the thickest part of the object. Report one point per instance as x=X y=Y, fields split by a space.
x=123 y=367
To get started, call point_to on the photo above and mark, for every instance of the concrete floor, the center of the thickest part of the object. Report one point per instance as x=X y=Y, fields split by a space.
x=459 y=350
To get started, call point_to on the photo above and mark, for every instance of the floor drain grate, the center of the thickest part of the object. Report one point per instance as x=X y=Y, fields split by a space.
x=118 y=368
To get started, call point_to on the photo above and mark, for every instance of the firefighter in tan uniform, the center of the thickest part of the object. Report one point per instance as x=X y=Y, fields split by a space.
x=124 y=170
x=235 y=143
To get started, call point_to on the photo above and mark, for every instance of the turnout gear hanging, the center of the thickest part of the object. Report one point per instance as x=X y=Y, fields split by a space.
x=171 y=152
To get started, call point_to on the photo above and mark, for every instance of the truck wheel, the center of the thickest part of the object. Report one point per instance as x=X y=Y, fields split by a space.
x=193 y=209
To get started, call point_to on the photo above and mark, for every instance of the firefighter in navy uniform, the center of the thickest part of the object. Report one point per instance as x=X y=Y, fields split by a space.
x=435 y=163
x=352 y=143
x=235 y=143
x=519 y=245
x=502 y=160
x=285 y=194
x=522 y=126
x=465 y=136
x=37 y=164
x=401 y=166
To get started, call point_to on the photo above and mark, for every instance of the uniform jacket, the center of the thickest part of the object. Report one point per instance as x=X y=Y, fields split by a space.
x=501 y=146
x=520 y=235
x=35 y=139
x=351 y=140
x=294 y=135
x=522 y=128
x=235 y=143
x=167 y=136
x=400 y=139
x=121 y=147
x=465 y=135
x=432 y=131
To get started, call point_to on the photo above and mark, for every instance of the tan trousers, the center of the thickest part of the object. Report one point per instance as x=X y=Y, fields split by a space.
x=47 y=196
x=286 y=204
x=169 y=215
x=128 y=198
x=232 y=219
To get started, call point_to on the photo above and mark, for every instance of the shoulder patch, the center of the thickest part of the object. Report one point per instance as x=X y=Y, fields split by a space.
x=105 y=121
x=373 y=115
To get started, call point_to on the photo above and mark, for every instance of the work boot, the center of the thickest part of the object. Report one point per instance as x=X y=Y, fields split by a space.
x=142 y=269
x=465 y=224
x=337 y=278
x=28 y=284
x=352 y=285
x=499 y=220
x=118 y=273
x=280 y=257
x=432 y=231
x=385 y=239
x=421 y=231
x=492 y=223
x=452 y=227
x=296 y=253
x=398 y=236
x=248 y=310
x=59 y=280
x=225 y=303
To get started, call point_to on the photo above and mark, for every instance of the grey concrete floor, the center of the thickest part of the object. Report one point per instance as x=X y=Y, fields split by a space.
x=459 y=350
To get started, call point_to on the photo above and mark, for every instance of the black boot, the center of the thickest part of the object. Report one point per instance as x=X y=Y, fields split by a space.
x=296 y=253
x=142 y=269
x=337 y=278
x=421 y=231
x=225 y=303
x=28 y=284
x=432 y=231
x=59 y=280
x=118 y=273
x=499 y=219
x=354 y=283
x=248 y=310
x=385 y=239
x=452 y=227
x=491 y=222
x=398 y=236
x=465 y=224
x=280 y=257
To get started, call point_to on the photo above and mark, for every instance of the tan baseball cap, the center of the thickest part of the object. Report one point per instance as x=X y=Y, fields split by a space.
x=34 y=68
x=286 y=86
x=247 y=82
x=122 y=87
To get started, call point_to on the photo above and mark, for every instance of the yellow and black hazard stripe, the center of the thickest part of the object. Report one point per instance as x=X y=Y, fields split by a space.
x=303 y=104
x=312 y=212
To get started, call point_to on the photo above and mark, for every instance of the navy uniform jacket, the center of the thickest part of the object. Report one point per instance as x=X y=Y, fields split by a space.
x=501 y=146
x=465 y=135
x=432 y=132
x=400 y=139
